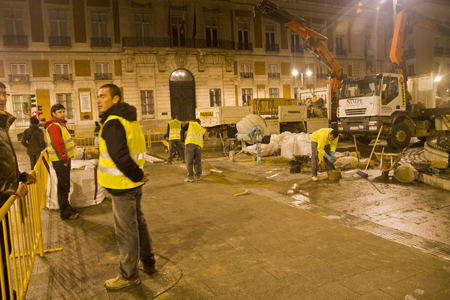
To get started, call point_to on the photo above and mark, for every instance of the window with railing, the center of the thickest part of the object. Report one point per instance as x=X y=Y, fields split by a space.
x=246 y=71
x=410 y=70
x=19 y=73
x=62 y=73
x=247 y=94
x=214 y=97
x=66 y=100
x=211 y=33
x=320 y=74
x=99 y=24
x=22 y=110
x=58 y=28
x=147 y=105
x=13 y=19
x=270 y=38
x=102 y=72
x=273 y=72
x=296 y=43
x=274 y=93
x=243 y=37
x=340 y=45
x=178 y=35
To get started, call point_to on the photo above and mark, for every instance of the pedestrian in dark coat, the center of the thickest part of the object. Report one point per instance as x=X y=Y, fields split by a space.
x=33 y=139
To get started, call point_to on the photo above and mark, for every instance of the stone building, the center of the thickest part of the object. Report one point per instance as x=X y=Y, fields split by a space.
x=171 y=57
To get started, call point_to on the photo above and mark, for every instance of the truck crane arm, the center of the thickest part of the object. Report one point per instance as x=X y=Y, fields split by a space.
x=313 y=41
x=406 y=18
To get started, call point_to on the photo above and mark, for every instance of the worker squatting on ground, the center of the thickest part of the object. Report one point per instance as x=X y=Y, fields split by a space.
x=10 y=178
x=61 y=149
x=323 y=146
x=120 y=172
x=174 y=135
x=194 y=146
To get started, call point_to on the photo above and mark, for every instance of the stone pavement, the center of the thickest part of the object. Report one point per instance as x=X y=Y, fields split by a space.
x=211 y=244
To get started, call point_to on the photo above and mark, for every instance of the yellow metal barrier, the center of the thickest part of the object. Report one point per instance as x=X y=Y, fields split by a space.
x=155 y=135
x=85 y=139
x=20 y=225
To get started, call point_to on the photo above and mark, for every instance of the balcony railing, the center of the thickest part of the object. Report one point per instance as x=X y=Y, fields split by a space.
x=130 y=41
x=274 y=75
x=341 y=51
x=102 y=76
x=100 y=42
x=273 y=47
x=244 y=46
x=410 y=53
x=246 y=75
x=297 y=49
x=59 y=41
x=19 y=78
x=15 y=40
x=438 y=51
x=62 y=77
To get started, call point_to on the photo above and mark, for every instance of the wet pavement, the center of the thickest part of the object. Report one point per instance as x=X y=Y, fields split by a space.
x=289 y=236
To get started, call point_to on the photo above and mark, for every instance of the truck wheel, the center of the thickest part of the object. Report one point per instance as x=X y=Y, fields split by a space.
x=362 y=141
x=400 y=136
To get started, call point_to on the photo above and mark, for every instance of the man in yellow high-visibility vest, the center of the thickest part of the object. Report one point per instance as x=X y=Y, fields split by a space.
x=61 y=149
x=121 y=171
x=194 y=145
x=174 y=136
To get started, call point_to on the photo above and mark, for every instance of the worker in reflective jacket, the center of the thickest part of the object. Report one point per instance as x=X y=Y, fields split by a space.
x=61 y=149
x=194 y=146
x=121 y=172
x=323 y=146
x=174 y=134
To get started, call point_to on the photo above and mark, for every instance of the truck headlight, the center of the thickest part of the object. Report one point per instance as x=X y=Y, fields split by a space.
x=361 y=127
x=373 y=128
x=341 y=128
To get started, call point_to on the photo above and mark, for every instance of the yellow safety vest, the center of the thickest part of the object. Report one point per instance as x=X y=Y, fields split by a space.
x=69 y=144
x=109 y=176
x=175 y=130
x=195 y=134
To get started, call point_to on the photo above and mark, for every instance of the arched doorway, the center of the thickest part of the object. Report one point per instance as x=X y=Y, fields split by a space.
x=182 y=95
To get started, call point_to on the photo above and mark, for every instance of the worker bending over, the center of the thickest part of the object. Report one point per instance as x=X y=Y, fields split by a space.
x=323 y=146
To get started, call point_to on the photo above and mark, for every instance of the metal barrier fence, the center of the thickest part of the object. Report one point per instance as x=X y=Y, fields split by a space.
x=85 y=139
x=90 y=139
x=155 y=135
x=20 y=223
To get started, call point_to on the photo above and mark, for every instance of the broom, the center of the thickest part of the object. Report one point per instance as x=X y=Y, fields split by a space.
x=213 y=170
x=364 y=174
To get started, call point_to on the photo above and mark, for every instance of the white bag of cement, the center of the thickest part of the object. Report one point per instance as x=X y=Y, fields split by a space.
x=345 y=160
x=296 y=144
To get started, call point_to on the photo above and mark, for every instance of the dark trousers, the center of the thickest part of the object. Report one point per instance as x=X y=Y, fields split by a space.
x=194 y=161
x=63 y=175
x=179 y=146
x=5 y=250
x=33 y=160
x=315 y=159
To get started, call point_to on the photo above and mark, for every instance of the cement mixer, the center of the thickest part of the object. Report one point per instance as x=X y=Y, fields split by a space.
x=251 y=129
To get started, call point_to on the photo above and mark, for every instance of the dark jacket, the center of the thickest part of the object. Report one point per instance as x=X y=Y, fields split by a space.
x=116 y=141
x=9 y=170
x=33 y=139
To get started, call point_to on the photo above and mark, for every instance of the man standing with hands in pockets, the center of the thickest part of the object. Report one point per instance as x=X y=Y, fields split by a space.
x=121 y=163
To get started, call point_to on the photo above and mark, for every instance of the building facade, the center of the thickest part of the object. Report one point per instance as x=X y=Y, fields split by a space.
x=171 y=57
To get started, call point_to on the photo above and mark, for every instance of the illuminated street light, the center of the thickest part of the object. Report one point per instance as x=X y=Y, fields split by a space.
x=295 y=72
x=438 y=78
x=308 y=73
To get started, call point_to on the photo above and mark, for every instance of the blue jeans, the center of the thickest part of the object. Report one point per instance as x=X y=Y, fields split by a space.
x=315 y=159
x=194 y=161
x=132 y=234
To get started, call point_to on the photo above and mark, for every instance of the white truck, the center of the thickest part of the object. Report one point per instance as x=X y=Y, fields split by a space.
x=404 y=109
x=282 y=114
x=222 y=120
